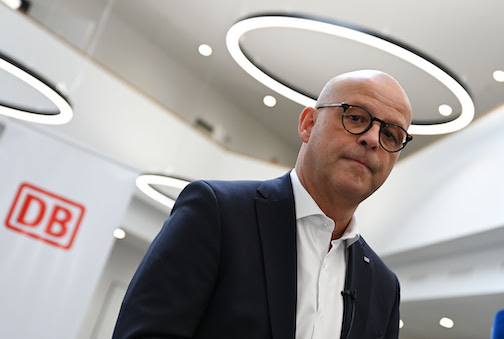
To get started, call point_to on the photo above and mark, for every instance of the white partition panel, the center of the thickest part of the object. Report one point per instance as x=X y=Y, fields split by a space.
x=59 y=206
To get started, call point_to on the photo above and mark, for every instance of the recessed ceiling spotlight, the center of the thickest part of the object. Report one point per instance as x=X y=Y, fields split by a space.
x=365 y=37
x=446 y=322
x=205 y=50
x=144 y=183
x=401 y=323
x=21 y=5
x=445 y=110
x=498 y=76
x=119 y=233
x=12 y=4
x=269 y=101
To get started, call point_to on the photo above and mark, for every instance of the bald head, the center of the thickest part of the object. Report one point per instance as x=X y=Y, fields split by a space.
x=340 y=169
x=384 y=86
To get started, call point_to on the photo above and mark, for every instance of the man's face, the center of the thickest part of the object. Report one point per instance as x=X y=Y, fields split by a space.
x=353 y=166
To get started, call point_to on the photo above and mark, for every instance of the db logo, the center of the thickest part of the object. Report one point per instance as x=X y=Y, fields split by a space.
x=45 y=216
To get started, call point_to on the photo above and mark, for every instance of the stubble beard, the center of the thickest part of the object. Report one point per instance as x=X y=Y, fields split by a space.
x=352 y=181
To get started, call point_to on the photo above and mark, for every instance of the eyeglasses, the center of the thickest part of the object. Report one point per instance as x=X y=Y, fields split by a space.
x=357 y=120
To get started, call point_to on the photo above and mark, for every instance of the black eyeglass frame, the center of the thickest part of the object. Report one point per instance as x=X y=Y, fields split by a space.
x=383 y=124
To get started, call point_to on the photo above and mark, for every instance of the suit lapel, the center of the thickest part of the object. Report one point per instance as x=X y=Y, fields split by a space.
x=359 y=281
x=277 y=227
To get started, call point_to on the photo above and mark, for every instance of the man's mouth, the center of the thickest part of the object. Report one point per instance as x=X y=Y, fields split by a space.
x=360 y=162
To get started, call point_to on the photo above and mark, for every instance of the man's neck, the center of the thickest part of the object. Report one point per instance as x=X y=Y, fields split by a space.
x=340 y=209
x=340 y=214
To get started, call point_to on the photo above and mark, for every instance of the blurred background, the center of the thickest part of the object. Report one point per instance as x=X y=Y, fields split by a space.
x=154 y=89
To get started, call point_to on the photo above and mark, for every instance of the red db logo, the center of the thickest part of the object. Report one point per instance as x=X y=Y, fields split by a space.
x=45 y=216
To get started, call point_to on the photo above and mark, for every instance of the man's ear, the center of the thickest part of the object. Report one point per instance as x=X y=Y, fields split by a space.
x=306 y=122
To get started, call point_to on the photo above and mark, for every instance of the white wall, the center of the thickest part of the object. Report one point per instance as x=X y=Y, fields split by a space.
x=119 y=122
x=151 y=69
x=132 y=56
x=473 y=272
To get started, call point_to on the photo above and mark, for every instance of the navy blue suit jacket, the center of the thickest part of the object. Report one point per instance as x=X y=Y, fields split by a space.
x=224 y=266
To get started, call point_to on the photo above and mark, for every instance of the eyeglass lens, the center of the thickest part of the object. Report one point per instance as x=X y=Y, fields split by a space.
x=356 y=121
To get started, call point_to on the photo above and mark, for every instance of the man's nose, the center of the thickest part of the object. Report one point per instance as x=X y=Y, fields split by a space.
x=371 y=139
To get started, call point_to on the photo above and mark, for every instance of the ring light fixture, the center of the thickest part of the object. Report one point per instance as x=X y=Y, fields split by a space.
x=62 y=116
x=144 y=183
x=358 y=35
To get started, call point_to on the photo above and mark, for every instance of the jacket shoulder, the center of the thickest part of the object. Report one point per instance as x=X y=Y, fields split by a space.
x=271 y=188
x=380 y=265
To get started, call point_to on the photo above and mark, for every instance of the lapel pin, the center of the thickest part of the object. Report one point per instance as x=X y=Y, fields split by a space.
x=366 y=259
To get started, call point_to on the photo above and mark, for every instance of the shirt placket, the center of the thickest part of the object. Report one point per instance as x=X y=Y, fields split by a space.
x=323 y=281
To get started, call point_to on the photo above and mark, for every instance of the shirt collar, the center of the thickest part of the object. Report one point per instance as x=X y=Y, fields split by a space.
x=351 y=233
x=306 y=206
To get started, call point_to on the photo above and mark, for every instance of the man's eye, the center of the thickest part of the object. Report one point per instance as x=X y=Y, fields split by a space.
x=390 y=136
x=355 y=117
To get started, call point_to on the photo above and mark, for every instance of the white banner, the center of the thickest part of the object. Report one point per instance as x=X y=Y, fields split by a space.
x=59 y=206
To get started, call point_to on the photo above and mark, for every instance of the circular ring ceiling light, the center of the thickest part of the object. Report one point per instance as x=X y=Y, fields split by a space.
x=358 y=35
x=62 y=116
x=144 y=183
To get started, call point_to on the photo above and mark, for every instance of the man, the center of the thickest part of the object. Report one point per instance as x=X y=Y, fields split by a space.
x=283 y=258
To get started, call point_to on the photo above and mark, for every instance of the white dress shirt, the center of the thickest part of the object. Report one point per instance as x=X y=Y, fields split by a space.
x=320 y=271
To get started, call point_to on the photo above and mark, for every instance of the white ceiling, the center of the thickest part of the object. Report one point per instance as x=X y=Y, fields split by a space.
x=465 y=36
